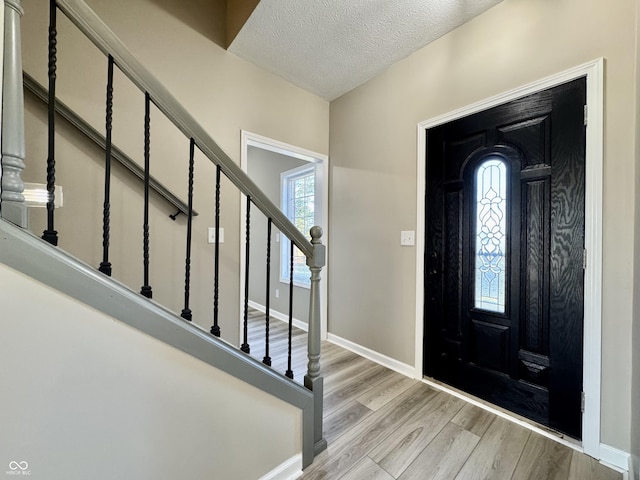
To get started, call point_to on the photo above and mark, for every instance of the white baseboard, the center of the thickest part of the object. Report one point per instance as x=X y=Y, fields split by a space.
x=279 y=315
x=612 y=457
x=392 y=363
x=288 y=470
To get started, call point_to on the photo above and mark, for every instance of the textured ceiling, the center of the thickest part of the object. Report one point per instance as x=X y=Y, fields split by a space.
x=329 y=47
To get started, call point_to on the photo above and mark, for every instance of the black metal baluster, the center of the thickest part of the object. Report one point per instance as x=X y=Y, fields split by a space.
x=215 y=328
x=267 y=359
x=245 y=332
x=289 y=372
x=146 y=288
x=50 y=234
x=186 y=311
x=105 y=265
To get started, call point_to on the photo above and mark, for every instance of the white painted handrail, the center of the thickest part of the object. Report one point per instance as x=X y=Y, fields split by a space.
x=103 y=37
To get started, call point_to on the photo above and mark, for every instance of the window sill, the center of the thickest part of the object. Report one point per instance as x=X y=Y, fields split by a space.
x=296 y=284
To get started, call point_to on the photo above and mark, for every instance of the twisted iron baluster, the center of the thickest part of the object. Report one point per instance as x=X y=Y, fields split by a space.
x=215 y=328
x=105 y=265
x=267 y=359
x=186 y=311
x=146 y=288
x=50 y=234
x=289 y=372
x=245 y=332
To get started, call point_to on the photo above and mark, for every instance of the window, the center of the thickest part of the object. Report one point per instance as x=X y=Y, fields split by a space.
x=491 y=235
x=298 y=204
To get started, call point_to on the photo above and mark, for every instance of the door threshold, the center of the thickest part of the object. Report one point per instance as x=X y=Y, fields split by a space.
x=506 y=414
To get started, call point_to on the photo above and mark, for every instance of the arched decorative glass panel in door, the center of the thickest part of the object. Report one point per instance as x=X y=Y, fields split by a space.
x=490 y=234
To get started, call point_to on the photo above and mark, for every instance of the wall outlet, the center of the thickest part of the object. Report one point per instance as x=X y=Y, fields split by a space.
x=277 y=293
x=407 y=238
x=211 y=235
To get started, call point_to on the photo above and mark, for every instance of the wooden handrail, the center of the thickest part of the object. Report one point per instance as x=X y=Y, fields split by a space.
x=103 y=37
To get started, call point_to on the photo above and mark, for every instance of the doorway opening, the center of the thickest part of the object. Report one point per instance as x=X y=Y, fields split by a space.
x=295 y=179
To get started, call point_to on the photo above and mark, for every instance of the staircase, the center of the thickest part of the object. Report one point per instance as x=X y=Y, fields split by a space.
x=94 y=286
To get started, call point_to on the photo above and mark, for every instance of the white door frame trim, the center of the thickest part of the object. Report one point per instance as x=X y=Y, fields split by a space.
x=594 y=72
x=253 y=139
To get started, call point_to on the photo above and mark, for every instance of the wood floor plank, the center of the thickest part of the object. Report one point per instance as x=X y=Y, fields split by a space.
x=351 y=447
x=358 y=368
x=443 y=458
x=584 y=467
x=367 y=469
x=355 y=380
x=543 y=458
x=337 y=398
x=497 y=454
x=474 y=419
x=378 y=374
x=402 y=447
x=342 y=420
x=337 y=362
x=386 y=391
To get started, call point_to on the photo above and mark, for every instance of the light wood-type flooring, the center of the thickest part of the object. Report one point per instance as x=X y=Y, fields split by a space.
x=381 y=425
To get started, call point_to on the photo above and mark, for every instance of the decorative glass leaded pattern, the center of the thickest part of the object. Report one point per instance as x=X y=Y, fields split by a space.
x=491 y=235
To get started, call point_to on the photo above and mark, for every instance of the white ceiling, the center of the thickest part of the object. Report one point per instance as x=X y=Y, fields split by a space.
x=329 y=47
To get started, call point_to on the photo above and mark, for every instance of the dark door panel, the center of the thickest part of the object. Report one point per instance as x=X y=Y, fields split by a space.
x=524 y=350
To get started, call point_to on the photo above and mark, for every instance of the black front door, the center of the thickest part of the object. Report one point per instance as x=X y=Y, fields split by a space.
x=504 y=255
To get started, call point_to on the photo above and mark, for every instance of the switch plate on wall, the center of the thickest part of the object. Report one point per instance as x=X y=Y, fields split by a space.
x=407 y=238
x=212 y=235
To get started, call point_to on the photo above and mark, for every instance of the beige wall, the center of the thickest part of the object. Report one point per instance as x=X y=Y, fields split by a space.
x=373 y=169
x=224 y=93
x=89 y=397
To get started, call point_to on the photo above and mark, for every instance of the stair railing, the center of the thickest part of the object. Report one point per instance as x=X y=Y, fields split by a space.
x=12 y=207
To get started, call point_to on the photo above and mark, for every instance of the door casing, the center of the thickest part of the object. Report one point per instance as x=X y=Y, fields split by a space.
x=594 y=73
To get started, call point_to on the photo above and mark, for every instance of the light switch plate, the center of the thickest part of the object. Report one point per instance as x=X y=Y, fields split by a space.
x=212 y=235
x=407 y=238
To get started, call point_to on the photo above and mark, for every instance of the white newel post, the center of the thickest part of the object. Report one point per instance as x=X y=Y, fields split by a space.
x=312 y=380
x=12 y=206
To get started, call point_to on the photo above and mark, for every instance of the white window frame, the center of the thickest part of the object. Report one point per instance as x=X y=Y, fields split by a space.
x=286 y=179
